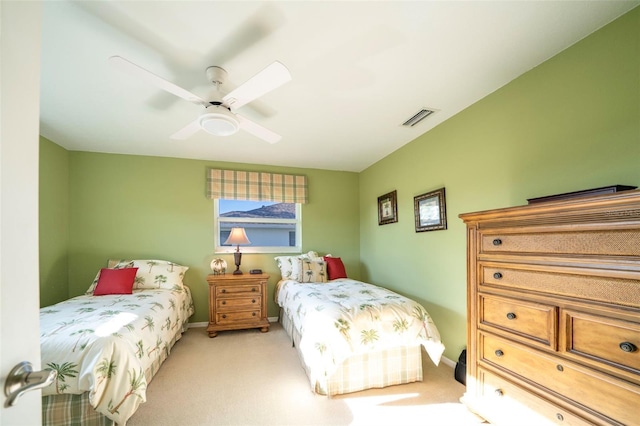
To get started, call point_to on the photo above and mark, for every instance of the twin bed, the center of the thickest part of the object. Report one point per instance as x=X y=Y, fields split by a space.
x=108 y=344
x=351 y=335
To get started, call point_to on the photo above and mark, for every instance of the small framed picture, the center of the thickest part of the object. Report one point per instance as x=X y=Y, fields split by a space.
x=430 y=211
x=387 y=208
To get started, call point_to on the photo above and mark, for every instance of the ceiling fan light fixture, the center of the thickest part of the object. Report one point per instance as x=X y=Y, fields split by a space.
x=219 y=121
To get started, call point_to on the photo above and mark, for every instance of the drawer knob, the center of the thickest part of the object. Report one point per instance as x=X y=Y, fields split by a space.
x=253 y=289
x=224 y=290
x=628 y=347
x=254 y=314
x=497 y=242
x=224 y=316
x=253 y=301
x=499 y=353
x=511 y=316
x=498 y=392
x=224 y=302
x=497 y=275
x=559 y=367
x=559 y=417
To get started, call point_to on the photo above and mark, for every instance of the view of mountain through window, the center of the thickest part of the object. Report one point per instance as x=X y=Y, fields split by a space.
x=234 y=208
x=270 y=226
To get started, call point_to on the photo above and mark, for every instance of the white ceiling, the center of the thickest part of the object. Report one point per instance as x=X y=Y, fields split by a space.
x=359 y=68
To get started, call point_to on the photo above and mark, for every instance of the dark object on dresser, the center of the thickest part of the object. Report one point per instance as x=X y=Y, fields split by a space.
x=460 y=372
x=584 y=193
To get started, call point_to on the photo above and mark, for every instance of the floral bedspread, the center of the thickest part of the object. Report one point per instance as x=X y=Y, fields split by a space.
x=345 y=317
x=110 y=346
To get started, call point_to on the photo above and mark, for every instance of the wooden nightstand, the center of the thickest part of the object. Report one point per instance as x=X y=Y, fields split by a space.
x=237 y=302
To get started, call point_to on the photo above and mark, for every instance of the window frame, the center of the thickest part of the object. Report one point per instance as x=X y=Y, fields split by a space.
x=220 y=249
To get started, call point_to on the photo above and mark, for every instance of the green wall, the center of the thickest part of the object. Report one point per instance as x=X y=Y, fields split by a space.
x=125 y=206
x=54 y=222
x=571 y=123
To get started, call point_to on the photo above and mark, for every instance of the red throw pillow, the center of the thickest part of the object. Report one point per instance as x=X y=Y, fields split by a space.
x=115 y=281
x=335 y=267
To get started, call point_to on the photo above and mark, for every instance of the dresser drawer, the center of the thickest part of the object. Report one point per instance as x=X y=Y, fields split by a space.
x=624 y=242
x=510 y=404
x=615 y=400
x=238 y=303
x=534 y=321
x=605 y=340
x=590 y=284
x=223 y=318
x=236 y=289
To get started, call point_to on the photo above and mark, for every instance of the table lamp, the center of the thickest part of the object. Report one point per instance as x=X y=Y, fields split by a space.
x=237 y=237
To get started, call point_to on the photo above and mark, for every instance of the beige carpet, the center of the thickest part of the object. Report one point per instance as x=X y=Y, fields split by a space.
x=252 y=378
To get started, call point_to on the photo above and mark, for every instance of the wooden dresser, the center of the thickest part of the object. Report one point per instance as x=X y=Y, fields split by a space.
x=237 y=302
x=554 y=312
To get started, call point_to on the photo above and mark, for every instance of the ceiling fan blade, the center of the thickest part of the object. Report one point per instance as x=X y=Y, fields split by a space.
x=257 y=130
x=272 y=77
x=187 y=131
x=160 y=82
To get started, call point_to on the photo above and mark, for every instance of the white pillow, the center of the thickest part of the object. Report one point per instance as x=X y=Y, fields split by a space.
x=156 y=273
x=286 y=266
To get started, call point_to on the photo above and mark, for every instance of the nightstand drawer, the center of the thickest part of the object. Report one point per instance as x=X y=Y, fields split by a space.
x=237 y=289
x=238 y=303
x=237 y=316
x=533 y=321
x=603 y=339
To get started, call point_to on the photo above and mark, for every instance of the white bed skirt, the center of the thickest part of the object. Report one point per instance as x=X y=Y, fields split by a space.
x=375 y=369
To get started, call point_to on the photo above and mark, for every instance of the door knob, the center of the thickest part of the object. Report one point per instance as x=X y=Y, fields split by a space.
x=22 y=379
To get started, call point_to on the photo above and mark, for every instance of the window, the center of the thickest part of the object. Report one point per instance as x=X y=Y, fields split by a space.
x=272 y=227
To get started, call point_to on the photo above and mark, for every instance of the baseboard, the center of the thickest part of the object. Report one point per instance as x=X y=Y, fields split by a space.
x=447 y=361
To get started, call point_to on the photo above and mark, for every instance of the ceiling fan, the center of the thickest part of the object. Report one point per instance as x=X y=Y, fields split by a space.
x=219 y=116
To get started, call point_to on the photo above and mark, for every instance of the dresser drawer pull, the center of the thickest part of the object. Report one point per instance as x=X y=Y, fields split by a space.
x=224 y=290
x=499 y=353
x=498 y=392
x=253 y=301
x=559 y=367
x=224 y=302
x=628 y=347
x=253 y=289
x=254 y=314
x=559 y=417
x=497 y=242
x=224 y=316
x=497 y=275
x=511 y=316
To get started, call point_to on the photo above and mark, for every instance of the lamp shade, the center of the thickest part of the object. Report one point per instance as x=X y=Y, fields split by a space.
x=237 y=237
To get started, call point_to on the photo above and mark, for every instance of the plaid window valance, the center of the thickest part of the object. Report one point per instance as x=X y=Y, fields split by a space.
x=256 y=186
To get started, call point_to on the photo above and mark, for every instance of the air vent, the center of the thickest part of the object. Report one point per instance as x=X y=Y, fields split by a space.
x=418 y=117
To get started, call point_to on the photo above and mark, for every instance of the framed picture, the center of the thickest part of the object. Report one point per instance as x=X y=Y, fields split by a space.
x=387 y=208
x=430 y=211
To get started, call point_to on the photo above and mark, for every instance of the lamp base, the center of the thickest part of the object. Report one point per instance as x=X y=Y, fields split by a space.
x=237 y=257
